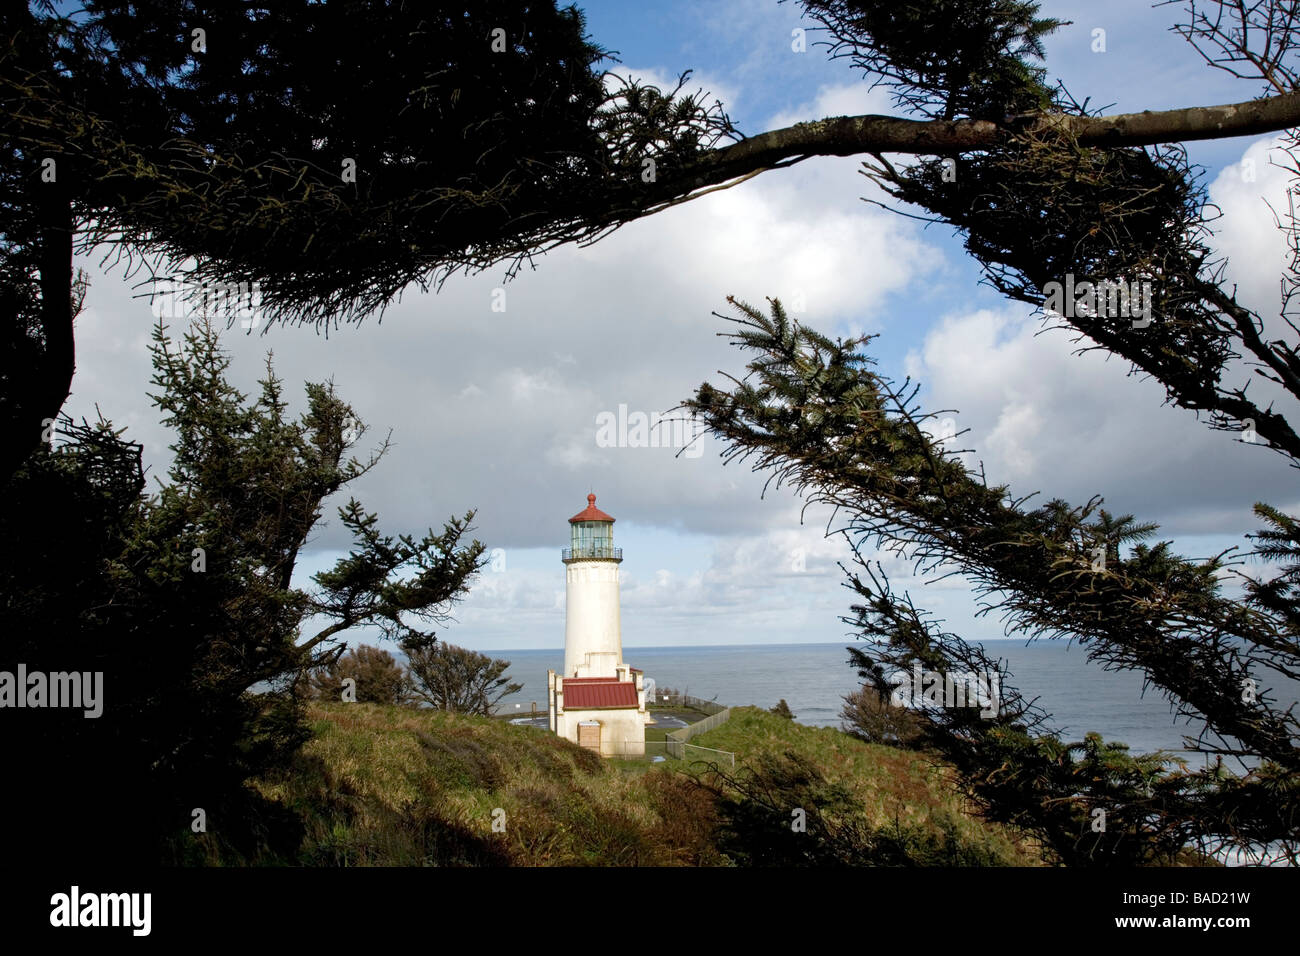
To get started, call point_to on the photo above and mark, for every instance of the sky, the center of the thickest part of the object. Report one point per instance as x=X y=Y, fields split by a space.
x=498 y=411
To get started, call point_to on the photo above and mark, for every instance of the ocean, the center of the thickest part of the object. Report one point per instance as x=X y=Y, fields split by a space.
x=813 y=678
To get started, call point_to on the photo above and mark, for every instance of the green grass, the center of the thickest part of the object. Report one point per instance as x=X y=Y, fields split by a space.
x=890 y=783
x=400 y=787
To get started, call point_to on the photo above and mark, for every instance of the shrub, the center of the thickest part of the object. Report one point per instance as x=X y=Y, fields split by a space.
x=875 y=720
x=379 y=678
x=457 y=679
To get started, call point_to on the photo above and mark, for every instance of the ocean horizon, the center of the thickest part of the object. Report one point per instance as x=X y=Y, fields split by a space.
x=1080 y=695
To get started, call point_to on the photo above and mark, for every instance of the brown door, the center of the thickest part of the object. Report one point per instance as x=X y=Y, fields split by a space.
x=589 y=736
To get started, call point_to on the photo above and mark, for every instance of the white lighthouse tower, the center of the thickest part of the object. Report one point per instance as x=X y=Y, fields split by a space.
x=598 y=701
x=593 y=637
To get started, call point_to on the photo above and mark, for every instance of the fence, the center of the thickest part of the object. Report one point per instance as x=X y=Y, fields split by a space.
x=517 y=709
x=660 y=750
x=686 y=700
x=677 y=739
x=703 y=726
x=694 y=752
x=653 y=748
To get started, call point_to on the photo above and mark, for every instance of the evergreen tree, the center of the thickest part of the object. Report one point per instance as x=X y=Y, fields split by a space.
x=184 y=600
x=818 y=416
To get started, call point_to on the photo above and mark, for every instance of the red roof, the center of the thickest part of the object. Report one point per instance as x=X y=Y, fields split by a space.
x=588 y=693
x=590 y=680
x=592 y=513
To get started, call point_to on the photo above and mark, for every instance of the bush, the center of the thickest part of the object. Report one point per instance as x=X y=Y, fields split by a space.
x=457 y=679
x=379 y=678
x=690 y=818
x=875 y=720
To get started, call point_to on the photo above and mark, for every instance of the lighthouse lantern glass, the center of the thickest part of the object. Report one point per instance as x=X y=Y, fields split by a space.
x=593 y=539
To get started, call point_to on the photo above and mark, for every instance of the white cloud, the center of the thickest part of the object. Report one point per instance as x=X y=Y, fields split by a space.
x=838 y=99
x=1042 y=419
x=1248 y=193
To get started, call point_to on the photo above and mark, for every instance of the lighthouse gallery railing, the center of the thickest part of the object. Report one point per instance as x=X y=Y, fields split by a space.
x=594 y=552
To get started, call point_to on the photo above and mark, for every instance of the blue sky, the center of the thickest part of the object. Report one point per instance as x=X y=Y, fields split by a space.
x=498 y=411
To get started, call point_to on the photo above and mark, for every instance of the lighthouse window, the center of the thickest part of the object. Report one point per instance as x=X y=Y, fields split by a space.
x=592 y=537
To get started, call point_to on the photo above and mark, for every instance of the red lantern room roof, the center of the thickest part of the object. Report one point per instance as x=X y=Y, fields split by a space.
x=591 y=514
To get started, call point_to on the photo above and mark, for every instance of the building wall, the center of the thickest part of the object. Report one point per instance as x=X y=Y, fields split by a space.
x=622 y=732
x=622 y=729
x=550 y=699
x=592 y=625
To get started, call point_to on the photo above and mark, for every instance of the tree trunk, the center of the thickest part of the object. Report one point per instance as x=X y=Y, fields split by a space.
x=42 y=390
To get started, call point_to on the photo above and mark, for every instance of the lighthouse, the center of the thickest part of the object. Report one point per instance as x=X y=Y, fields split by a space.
x=593 y=637
x=598 y=701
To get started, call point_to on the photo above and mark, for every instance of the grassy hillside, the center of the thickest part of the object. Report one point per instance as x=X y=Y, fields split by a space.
x=884 y=788
x=396 y=786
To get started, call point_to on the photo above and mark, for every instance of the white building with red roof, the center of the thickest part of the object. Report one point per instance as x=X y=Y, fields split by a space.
x=599 y=701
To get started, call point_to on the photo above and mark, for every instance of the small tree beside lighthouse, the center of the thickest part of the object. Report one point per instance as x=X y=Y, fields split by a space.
x=599 y=701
